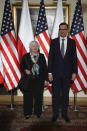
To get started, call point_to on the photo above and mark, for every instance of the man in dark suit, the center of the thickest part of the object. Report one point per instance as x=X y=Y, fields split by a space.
x=62 y=68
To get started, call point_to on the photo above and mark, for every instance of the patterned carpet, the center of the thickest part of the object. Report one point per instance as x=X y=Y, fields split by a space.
x=14 y=120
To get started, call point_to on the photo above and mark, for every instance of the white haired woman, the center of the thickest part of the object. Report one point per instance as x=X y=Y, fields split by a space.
x=33 y=65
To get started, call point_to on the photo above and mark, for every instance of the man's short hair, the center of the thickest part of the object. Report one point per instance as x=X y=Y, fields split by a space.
x=64 y=23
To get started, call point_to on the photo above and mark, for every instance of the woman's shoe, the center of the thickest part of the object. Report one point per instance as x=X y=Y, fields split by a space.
x=38 y=116
x=27 y=116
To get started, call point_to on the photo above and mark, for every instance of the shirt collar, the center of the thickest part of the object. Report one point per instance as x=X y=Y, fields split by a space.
x=63 y=38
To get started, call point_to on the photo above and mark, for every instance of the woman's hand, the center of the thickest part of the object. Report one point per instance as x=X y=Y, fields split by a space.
x=27 y=72
x=45 y=83
x=50 y=77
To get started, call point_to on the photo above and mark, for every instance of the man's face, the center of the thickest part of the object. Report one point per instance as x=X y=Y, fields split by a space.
x=63 y=30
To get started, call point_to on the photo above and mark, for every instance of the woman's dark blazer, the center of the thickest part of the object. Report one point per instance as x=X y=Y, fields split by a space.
x=27 y=64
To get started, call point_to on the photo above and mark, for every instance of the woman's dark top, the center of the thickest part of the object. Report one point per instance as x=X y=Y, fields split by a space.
x=27 y=63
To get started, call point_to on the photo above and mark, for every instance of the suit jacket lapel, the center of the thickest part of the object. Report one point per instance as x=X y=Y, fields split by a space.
x=58 y=47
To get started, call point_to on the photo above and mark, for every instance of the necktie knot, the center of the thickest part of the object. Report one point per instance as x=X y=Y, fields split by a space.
x=63 y=40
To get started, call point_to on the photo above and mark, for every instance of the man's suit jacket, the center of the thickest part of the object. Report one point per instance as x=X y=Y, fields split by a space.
x=59 y=66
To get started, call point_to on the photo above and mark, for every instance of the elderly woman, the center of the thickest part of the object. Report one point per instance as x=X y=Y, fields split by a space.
x=33 y=65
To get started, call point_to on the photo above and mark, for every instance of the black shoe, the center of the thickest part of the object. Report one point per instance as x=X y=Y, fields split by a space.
x=66 y=118
x=27 y=116
x=54 y=118
x=38 y=116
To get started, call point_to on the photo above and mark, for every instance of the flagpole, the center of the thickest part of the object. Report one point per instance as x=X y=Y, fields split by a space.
x=12 y=105
x=44 y=107
x=75 y=107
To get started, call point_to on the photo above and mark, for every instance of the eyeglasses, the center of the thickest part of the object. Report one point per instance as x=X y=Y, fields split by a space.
x=63 y=29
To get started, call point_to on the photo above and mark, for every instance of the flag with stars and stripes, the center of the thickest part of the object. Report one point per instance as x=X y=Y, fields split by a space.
x=1 y=71
x=86 y=42
x=42 y=35
x=77 y=33
x=8 y=50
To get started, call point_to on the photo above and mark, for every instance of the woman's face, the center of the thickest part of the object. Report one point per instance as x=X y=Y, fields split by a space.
x=34 y=49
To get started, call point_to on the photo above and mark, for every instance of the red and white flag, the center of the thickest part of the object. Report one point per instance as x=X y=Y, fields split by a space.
x=25 y=33
x=77 y=33
x=59 y=18
x=9 y=55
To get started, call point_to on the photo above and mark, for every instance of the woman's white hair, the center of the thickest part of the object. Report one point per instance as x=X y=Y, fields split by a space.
x=34 y=43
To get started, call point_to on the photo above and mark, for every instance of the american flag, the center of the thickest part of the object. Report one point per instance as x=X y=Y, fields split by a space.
x=77 y=33
x=1 y=71
x=42 y=35
x=86 y=41
x=8 y=49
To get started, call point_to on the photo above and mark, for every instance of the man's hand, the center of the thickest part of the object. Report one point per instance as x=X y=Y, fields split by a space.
x=73 y=76
x=50 y=77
